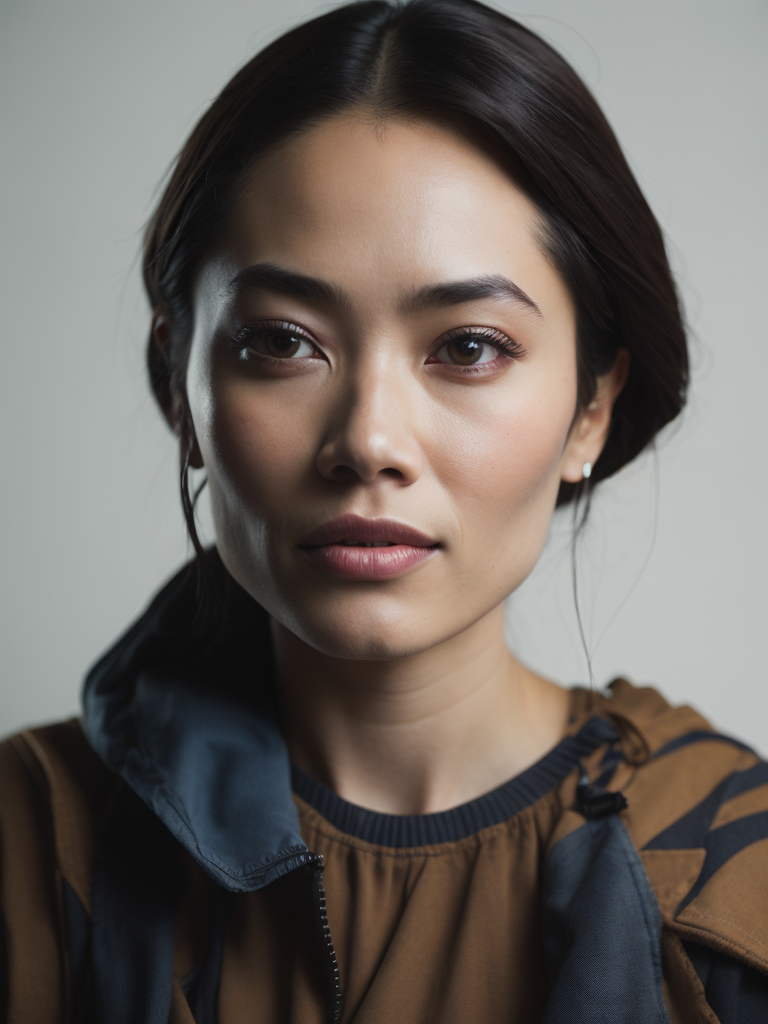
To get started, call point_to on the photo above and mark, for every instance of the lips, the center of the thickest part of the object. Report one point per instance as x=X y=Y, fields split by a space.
x=356 y=529
x=358 y=548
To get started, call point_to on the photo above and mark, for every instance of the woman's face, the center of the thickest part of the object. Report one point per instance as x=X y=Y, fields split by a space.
x=380 y=336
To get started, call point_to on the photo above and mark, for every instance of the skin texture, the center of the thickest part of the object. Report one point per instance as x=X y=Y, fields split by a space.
x=399 y=692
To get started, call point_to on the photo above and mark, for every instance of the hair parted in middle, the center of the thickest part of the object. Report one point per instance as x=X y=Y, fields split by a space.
x=463 y=65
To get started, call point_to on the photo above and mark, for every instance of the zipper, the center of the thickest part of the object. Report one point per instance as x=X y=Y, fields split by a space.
x=329 y=953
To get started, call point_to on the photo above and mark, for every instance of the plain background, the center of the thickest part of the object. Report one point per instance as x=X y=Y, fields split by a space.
x=97 y=97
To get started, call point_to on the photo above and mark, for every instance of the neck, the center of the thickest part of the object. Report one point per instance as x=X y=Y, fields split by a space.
x=422 y=733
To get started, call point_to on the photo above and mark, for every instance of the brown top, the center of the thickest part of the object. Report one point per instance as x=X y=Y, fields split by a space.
x=446 y=931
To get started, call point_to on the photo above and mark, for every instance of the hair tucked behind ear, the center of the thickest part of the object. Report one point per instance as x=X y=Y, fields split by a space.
x=461 y=62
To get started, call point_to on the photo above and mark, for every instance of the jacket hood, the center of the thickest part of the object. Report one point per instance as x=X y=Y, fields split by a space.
x=189 y=721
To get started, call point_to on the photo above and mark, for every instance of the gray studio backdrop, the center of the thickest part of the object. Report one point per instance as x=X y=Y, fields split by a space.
x=96 y=100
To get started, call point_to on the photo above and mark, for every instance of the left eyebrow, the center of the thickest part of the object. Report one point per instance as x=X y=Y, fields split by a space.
x=274 y=278
x=456 y=292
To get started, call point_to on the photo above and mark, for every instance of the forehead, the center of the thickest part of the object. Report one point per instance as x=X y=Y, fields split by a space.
x=366 y=194
x=380 y=210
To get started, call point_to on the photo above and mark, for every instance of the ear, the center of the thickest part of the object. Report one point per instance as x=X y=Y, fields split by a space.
x=590 y=430
x=178 y=414
x=161 y=328
x=195 y=455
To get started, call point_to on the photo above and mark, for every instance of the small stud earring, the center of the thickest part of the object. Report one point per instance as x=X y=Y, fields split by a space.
x=586 y=470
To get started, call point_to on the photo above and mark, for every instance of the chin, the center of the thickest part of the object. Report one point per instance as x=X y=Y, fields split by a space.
x=357 y=634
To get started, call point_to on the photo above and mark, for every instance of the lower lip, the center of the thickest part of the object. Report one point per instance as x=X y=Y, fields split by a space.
x=359 y=563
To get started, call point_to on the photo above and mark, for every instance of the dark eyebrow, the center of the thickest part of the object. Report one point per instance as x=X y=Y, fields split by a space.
x=489 y=286
x=288 y=282
x=291 y=282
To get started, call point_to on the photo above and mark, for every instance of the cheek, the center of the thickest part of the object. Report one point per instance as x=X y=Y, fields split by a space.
x=253 y=441
x=255 y=445
x=502 y=467
x=256 y=450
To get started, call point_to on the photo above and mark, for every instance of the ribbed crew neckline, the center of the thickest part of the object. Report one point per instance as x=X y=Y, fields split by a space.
x=501 y=804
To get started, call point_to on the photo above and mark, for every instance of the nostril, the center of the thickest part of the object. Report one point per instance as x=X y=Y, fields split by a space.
x=357 y=452
x=343 y=473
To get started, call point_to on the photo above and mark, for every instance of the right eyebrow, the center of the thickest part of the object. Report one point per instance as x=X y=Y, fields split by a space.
x=274 y=278
x=454 y=293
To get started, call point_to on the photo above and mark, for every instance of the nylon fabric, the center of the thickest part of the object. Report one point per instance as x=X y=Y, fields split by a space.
x=736 y=994
x=602 y=931
x=133 y=902
x=203 y=995
x=167 y=706
x=78 y=927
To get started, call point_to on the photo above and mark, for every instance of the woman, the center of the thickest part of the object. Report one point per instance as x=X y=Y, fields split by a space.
x=407 y=298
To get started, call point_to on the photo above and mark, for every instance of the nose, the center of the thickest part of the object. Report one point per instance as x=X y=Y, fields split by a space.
x=372 y=435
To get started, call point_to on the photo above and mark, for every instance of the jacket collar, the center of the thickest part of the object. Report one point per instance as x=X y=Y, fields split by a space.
x=208 y=760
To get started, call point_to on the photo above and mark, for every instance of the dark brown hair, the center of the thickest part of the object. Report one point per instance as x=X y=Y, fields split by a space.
x=462 y=62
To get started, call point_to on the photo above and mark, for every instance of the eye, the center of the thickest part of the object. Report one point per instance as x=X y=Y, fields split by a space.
x=475 y=346
x=467 y=351
x=274 y=339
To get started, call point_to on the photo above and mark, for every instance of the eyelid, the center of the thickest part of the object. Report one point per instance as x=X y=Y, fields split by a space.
x=244 y=337
x=252 y=328
x=491 y=335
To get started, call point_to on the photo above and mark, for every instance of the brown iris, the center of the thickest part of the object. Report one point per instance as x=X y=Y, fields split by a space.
x=280 y=344
x=465 y=351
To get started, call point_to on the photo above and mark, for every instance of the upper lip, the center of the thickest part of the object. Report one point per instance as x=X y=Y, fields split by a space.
x=354 y=527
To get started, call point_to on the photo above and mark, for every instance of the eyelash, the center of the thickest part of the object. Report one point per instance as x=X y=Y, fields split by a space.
x=487 y=335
